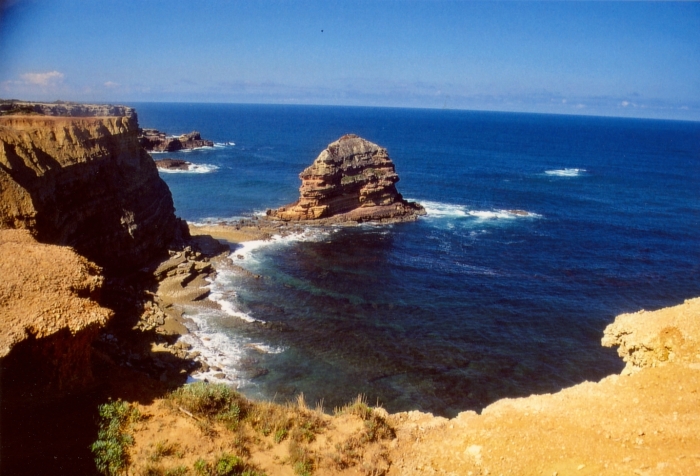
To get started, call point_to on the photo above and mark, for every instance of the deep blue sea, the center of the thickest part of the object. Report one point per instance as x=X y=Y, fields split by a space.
x=468 y=304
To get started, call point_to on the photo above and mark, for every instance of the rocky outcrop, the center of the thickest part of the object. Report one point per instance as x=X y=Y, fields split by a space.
x=85 y=182
x=48 y=293
x=353 y=180
x=155 y=141
x=173 y=164
x=646 y=422
x=654 y=339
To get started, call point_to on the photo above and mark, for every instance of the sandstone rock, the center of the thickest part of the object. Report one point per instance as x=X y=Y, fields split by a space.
x=353 y=180
x=652 y=339
x=48 y=295
x=85 y=182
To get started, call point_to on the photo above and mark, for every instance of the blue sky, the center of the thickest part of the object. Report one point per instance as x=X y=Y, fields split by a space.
x=622 y=59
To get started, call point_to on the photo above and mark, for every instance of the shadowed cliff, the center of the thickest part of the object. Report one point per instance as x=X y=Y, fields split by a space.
x=85 y=182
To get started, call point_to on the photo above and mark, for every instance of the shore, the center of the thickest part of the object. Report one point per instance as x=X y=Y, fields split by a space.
x=644 y=421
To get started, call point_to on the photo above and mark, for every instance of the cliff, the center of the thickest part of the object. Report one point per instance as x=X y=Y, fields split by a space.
x=353 y=180
x=66 y=109
x=644 y=422
x=85 y=182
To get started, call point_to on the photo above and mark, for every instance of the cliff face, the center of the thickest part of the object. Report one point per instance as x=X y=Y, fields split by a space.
x=85 y=182
x=352 y=180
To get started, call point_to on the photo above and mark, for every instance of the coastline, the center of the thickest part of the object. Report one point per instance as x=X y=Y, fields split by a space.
x=579 y=428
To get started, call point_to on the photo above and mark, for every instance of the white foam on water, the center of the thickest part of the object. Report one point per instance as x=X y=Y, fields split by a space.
x=249 y=249
x=209 y=221
x=439 y=210
x=565 y=172
x=224 y=144
x=266 y=349
x=222 y=293
x=217 y=349
x=193 y=169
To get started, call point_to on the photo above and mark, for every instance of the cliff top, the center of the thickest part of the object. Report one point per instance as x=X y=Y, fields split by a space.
x=62 y=108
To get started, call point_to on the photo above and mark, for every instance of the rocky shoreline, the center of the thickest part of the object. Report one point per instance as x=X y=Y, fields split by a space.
x=154 y=140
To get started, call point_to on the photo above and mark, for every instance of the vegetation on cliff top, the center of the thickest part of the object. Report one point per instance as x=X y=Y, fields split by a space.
x=208 y=429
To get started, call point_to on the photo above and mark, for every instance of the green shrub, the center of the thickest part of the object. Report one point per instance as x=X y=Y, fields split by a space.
x=229 y=465
x=110 y=452
x=225 y=465
x=213 y=402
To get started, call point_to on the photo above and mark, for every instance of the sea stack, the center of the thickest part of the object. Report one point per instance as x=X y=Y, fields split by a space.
x=352 y=180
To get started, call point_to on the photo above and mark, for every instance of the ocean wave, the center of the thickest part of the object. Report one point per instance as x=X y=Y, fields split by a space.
x=246 y=254
x=447 y=210
x=437 y=209
x=226 y=297
x=193 y=169
x=565 y=172
x=222 y=352
x=221 y=145
x=503 y=214
x=209 y=221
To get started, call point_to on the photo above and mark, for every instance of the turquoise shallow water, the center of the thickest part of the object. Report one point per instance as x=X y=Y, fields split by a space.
x=469 y=304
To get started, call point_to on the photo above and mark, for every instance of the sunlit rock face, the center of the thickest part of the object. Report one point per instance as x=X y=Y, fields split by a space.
x=352 y=180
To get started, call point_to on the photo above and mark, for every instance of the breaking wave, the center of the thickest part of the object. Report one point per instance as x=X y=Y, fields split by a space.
x=193 y=169
x=565 y=172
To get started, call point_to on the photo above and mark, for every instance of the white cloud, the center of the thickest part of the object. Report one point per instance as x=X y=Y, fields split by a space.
x=624 y=103
x=111 y=84
x=42 y=79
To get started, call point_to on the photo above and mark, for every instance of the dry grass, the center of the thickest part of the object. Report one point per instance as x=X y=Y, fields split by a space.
x=249 y=434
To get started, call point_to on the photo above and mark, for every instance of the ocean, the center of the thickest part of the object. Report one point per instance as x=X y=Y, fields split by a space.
x=467 y=305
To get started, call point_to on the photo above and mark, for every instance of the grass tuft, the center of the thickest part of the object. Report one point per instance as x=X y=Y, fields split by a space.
x=213 y=402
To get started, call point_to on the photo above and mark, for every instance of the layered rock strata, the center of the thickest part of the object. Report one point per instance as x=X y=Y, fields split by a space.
x=155 y=141
x=353 y=180
x=85 y=182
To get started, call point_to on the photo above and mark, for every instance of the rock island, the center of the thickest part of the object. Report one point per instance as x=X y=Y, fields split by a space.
x=352 y=180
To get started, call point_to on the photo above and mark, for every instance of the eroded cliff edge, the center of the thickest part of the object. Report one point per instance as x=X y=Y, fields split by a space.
x=645 y=421
x=85 y=182
x=50 y=293
x=352 y=180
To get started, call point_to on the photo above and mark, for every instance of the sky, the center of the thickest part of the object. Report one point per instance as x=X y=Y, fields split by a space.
x=632 y=59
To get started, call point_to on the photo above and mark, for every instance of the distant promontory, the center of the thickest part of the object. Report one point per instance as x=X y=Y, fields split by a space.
x=154 y=140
